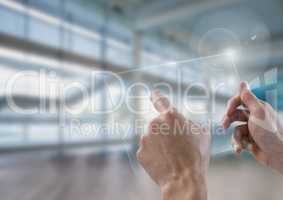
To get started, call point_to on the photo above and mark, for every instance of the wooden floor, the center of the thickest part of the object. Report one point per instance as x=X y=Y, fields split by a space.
x=41 y=176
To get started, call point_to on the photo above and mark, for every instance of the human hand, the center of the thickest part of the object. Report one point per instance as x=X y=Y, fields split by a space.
x=262 y=133
x=175 y=153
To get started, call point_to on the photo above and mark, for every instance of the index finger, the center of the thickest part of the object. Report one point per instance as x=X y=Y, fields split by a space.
x=160 y=102
x=248 y=98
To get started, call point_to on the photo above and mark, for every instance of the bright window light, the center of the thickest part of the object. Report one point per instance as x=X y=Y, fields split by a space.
x=43 y=61
x=231 y=54
x=58 y=22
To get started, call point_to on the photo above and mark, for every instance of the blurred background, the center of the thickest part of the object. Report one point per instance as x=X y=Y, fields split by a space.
x=55 y=140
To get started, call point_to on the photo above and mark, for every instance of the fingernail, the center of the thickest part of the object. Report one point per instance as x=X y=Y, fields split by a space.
x=250 y=147
x=244 y=85
x=237 y=149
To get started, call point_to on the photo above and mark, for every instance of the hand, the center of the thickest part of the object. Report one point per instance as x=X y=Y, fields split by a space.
x=175 y=153
x=262 y=133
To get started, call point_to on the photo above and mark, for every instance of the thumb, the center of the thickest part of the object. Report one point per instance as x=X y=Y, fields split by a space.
x=247 y=97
